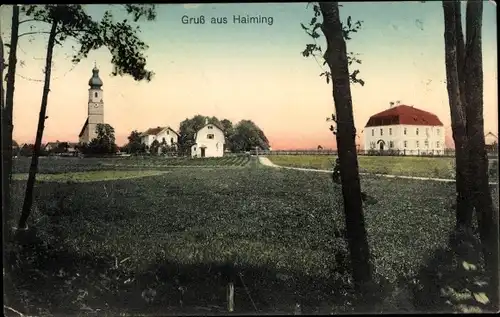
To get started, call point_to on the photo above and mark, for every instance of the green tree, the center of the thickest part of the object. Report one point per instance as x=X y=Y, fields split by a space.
x=71 y=21
x=155 y=146
x=338 y=60
x=247 y=135
x=104 y=142
x=134 y=144
x=228 y=128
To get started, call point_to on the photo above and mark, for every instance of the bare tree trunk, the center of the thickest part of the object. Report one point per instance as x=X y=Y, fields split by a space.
x=28 y=197
x=336 y=57
x=481 y=198
x=7 y=124
x=454 y=56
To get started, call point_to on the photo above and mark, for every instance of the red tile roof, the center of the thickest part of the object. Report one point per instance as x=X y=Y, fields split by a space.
x=403 y=114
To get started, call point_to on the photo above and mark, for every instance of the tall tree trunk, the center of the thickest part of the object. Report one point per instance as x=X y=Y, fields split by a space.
x=7 y=124
x=28 y=197
x=336 y=57
x=481 y=198
x=454 y=60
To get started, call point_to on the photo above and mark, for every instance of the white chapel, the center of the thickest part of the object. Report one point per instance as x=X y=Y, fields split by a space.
x=95 y=110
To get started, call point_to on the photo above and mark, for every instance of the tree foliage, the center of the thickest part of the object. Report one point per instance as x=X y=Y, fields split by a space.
x=247 y=136
x=314 y=49
x=104 y=142
x=134 y=145
x=120 y=37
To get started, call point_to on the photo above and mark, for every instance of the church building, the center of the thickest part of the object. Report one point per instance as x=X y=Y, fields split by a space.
x=95 y=109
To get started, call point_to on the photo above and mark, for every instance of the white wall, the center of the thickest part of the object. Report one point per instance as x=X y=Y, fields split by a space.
x=490 y=139
x=213 y=147
x=95 y=112
x=415 y=143
x=168 y=134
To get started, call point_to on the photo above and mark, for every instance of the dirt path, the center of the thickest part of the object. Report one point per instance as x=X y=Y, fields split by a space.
x=267 y=162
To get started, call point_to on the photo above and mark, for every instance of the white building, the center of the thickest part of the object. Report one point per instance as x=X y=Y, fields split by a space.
x=95 y=114
x=209 y=142
x=164 y=135
x=405 y=129
x=490 y=139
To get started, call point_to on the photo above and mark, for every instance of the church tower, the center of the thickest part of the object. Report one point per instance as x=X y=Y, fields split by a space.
x=95 y=108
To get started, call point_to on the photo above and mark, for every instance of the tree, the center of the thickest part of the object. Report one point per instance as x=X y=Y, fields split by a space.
x=247 y=135
x=155 y=146
x=228 y=128
x=134 y=144
x=104 y=142
x=6 y=111
x=337 y=58
x=464 y=72
x=71 y=21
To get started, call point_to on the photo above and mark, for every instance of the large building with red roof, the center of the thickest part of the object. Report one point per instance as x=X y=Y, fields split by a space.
x=406 y=129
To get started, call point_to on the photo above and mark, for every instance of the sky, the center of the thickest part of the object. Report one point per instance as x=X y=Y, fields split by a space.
x=253 y=71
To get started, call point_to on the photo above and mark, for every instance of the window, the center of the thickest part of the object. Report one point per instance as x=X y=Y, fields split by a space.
x=390 y=131
x=391 y=144
x=405 y=143
x=437 y=144
x=416 y=131
x=210 y=136
x=96 y=94
x=373 y=132
x=210 y=127
x=418 y=144
x=438 y=132
x=404 y=131
x=381 y=131
x=171 y=141
x=427 y=131
x=168 y=131
x=426 y=143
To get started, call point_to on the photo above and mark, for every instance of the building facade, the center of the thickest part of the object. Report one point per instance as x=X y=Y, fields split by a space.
x=161 y=134
x=406 y=130
x=95 y=110
x=209 y=142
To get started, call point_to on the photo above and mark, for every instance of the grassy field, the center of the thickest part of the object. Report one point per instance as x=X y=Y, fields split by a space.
x=104 y=238
x=438 y=167
x=50 y=165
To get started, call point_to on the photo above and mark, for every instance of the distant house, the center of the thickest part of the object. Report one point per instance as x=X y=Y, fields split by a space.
x=490 y=139
x=405 y=129
x=209 y=141
x=60 y=148
x=491 y=142
x=50 y=146
x=167 y=134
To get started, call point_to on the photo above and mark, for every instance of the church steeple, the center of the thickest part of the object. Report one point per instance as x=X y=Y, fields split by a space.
x=95 y=82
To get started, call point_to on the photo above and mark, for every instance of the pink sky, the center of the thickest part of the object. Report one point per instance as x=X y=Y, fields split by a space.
x=268 y=82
